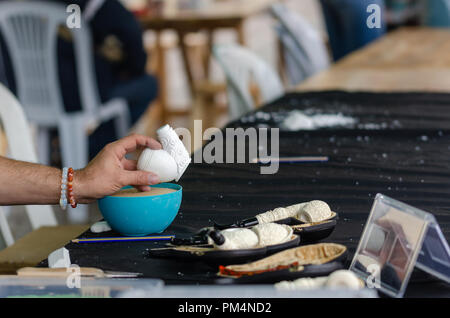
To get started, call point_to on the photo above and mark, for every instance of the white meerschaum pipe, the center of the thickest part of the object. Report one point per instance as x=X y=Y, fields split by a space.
x=159 y=162
x=170 y=162
x=171 y=143
x=280 y=213
x=232 y=239
x=307 y=212
x=268 y=216
x=314 y=211
x=258 y=236
x=272 y=233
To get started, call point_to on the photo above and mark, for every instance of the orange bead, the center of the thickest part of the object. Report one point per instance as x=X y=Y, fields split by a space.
x=70 y=175
x=70 y=195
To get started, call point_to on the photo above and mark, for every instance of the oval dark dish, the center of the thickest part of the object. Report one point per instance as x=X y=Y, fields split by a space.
x=209 y=255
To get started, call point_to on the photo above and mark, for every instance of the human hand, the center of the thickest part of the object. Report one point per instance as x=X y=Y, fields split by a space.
x=110 y=171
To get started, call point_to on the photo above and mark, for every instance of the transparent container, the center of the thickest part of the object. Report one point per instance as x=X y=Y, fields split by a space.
x=397 y=237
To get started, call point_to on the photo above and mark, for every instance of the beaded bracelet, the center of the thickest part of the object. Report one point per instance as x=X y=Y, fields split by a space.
x=67 y=189
x=71 y=197
x=63 y=198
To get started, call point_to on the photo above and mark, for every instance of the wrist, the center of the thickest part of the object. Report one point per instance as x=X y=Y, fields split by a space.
x=80 y=187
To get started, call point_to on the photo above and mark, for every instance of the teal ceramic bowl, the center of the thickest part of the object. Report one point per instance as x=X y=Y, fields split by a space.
x=140 y=216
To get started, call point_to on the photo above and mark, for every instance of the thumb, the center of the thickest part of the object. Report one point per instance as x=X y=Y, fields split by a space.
x=140 y=178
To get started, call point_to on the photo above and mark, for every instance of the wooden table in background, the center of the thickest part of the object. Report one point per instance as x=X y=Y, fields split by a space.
x=409 y=59
x=229 y=14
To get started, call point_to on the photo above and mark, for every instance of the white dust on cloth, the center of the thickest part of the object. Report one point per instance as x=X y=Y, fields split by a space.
x=313 y=211
x=338 y=279
x=297 y=120
x=258 y=236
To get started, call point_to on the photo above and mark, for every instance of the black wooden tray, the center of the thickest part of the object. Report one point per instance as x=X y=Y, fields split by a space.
x=311 y=232
x=272 y=277
x=213 y=257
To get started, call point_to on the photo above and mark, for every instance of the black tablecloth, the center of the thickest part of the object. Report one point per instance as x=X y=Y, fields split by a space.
x=399 y=146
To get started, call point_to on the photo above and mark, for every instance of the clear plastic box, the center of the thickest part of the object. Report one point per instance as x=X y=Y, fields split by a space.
x=396 y=238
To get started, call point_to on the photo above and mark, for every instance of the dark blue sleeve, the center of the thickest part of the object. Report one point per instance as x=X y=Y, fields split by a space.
x=114 y=19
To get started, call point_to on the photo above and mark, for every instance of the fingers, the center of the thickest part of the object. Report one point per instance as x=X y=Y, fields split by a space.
x=129 y=165
x=132 y=142
x=143 y=188
x=139 y=178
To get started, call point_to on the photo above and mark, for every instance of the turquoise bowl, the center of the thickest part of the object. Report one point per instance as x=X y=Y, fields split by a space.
x=140 y=216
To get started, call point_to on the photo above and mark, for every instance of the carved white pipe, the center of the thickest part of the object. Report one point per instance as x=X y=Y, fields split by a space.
x=314 y=211
x=272 y=233
x=258 y=236
x=159 y=162
x=238 y=239
x=175 y=147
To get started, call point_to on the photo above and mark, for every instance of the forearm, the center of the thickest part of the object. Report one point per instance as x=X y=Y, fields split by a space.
x=23 y=183
x=28 y=183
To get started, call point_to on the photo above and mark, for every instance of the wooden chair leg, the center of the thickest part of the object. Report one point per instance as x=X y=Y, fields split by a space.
x=185 y=56
x=162 y=79
x=282 y=63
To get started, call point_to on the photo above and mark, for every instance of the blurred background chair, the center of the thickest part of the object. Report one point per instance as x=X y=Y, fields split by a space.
x=30 y=33
x=20 y=146
x=3 y=78
x=438 y=13
x=305 y=51
x=346 y=22
x=242 y=68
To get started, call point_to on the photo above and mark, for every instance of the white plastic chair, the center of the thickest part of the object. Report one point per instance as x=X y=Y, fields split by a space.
x=296 y=63
x=20 y=147
x=241 y=66
x=30 y=32
x=306 y=51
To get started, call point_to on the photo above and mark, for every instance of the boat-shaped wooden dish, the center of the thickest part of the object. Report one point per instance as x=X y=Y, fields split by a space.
x=304 y=261
x=312 y=232
x=308 y=232
x=212 y=256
